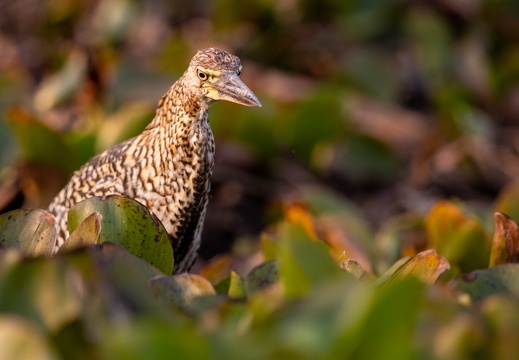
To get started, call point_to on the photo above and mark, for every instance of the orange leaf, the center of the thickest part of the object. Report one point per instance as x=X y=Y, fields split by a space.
x=426 y=266
x=505 y=243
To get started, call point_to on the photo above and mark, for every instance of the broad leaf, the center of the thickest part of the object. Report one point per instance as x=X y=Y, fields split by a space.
x=32 y=231
x=459 y=238
x=479 y=284
x=181 y=289
x=130 y=224
x=427 y=266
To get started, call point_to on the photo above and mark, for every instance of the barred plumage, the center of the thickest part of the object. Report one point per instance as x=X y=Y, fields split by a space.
x=168 y=167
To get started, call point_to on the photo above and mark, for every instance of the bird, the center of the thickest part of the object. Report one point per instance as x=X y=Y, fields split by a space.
x=168 y=167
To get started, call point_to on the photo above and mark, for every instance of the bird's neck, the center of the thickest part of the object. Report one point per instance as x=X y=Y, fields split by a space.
x=180 y=112
x=181 y=121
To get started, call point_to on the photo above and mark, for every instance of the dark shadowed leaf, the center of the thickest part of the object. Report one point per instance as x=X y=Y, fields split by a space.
x=32 y=231
x=505 y=243
x=130 y=224
x=262 y=277
x=479 y=284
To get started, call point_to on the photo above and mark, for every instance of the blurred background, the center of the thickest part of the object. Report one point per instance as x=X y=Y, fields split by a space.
x=379 y=108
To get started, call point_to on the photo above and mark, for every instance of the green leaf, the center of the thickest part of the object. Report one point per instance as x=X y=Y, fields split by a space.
x=459 y=238
x=262 y=277
x=391 y=309
x=39 y=143
x=353 y=267
x=180 y=289
x=305 y=263
x=32 y=231
x=479 y=284
x=87 y=233
x=130 y=224
x=236 y=286
x=149 y=338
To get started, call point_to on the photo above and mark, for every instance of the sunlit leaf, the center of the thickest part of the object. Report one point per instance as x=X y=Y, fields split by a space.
x=427 y=266
x=32 y=231
x=130 y=224
x=459 y=238
x=21 y=340
x=353 y=267
x=87 y=233
x=180 y=289
x=505 y=243
x=236 y=286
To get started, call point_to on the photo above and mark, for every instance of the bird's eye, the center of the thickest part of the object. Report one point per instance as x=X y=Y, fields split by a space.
x=239 y=71
x=202 y=75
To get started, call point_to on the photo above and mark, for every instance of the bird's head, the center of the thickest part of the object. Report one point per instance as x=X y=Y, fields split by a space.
x=217 y=73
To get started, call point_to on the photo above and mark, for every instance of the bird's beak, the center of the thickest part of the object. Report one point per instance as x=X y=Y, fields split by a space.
x=228 y=86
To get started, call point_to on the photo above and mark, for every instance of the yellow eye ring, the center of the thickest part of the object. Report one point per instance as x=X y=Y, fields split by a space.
x=202 y=75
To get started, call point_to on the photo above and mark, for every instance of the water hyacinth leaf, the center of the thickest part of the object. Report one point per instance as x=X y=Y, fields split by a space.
x=87 y=233
x=262 y=277
x=120 y=278
x=305 y=263
x=21 y=340
x=391 y=309
x=426 y=266
x=498 y=280
x=31 y=231
x=180 y=289
x=130 y=224
x=462 y=240
x=505 y=243
x=43 y=290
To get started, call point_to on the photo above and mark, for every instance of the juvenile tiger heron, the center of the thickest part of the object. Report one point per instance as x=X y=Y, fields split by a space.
x=167 y=167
